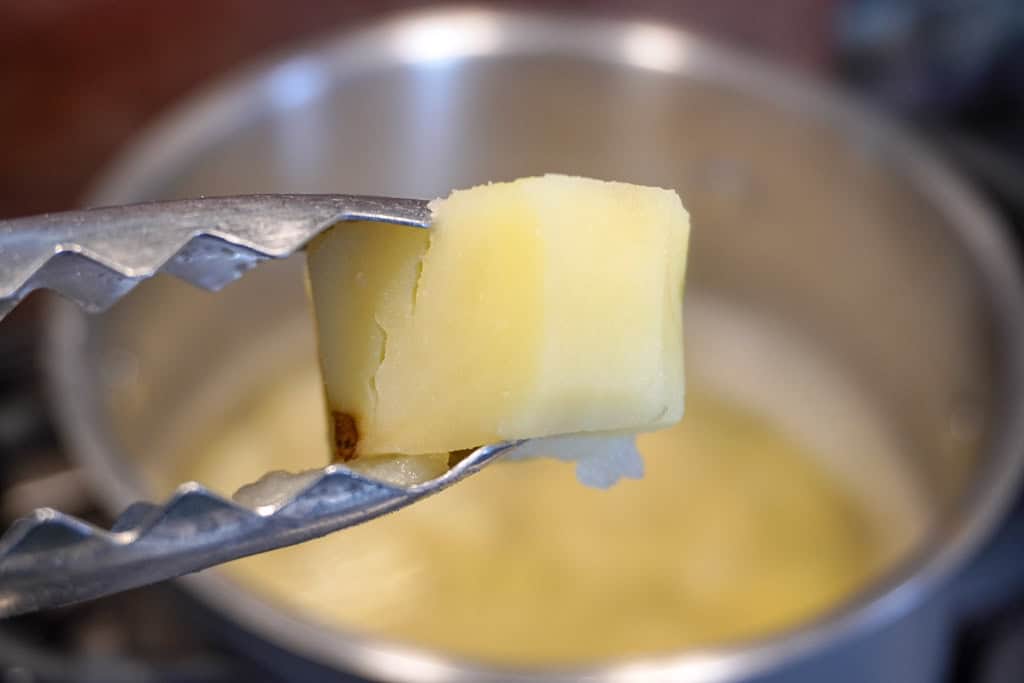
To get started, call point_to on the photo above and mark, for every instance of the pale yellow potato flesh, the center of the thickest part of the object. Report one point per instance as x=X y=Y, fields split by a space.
x=402 y=470
x=544 y=306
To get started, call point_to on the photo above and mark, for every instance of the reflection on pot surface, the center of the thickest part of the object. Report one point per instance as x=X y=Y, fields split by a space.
x=738 y=529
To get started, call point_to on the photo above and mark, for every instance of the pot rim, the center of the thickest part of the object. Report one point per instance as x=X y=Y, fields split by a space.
x=474 y=33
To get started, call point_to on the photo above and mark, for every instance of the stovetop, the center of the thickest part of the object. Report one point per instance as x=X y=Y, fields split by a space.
x=142 y=635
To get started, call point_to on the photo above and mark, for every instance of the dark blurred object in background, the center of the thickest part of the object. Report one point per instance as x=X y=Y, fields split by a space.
x=954 y=67
x=937 y=58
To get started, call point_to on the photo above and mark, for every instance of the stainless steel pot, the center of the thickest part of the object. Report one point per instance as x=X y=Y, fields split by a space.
x=811 y=215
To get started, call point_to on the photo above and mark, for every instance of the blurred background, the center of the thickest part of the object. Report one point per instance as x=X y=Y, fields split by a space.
x=80 y=78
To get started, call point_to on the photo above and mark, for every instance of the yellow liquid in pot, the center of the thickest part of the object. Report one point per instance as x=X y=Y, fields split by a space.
x=734 y=532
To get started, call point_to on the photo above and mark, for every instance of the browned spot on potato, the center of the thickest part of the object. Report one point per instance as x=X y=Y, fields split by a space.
x=455 y=457
x=346 y=436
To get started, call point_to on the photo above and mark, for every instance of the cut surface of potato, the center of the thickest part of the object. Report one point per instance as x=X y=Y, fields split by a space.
x=544 y=306
x=402 y=470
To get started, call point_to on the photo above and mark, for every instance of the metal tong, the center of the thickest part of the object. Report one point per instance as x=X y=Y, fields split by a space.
x=94 y=257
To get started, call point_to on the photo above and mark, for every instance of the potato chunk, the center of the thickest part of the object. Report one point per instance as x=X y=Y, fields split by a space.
x=539 y=307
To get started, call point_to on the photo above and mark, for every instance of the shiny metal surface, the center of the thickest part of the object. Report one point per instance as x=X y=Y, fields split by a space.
x=808 y=210
x=52 y=559
x=96 y=256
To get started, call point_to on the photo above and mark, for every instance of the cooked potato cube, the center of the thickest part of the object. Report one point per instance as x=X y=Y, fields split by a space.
x=543 y=306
